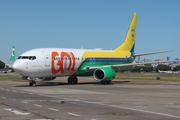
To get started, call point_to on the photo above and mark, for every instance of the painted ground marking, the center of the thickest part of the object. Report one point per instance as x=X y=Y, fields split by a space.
x=24 y=102
x=3 y=97
x=7 y=90
x=53 y=109
x=16 y=112
x=73 y=114
x=14 y=91
x=37 y=105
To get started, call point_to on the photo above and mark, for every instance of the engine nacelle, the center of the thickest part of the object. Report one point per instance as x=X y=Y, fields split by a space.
x=46 y=78
x=104 y=74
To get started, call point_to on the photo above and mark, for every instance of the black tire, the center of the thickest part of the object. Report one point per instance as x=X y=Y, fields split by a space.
x=33 y=83
x=70 y=81
x=108 y=82
x=30 y=83
x=75 y=80
x=105 y=82
x=102 y=82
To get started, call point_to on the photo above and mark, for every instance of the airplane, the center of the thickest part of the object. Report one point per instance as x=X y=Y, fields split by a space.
x=13 y=54
x=46 y=64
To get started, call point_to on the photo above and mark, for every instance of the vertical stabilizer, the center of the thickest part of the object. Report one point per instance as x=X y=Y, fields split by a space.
x=129 y=42
x=13 y=53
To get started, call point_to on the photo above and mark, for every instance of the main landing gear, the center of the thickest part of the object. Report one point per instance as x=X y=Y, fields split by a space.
x=105 y=82
x=72 y=80
x=32 y=83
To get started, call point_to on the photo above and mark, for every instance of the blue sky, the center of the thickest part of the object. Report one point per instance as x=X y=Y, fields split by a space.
x=30 y=24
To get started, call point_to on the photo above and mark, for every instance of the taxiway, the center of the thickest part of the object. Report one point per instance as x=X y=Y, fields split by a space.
x=89 y=100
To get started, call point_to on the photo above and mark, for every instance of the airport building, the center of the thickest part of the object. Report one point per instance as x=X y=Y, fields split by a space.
x=139 y=59
x=172 y=65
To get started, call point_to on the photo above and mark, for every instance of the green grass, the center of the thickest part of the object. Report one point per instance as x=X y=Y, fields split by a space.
x=119 y=76
x=149 y=76
x=10 y=77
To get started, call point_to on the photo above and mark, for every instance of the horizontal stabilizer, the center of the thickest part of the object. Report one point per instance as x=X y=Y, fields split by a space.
x=151 y=53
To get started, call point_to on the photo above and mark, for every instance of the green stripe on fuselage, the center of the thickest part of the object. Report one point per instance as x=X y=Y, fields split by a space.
x=81 y=72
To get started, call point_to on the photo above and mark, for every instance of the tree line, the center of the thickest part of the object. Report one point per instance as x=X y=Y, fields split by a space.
x=2 y=65
x=150 y=69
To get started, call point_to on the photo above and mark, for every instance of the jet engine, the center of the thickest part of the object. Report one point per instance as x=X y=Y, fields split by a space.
x=104 y=74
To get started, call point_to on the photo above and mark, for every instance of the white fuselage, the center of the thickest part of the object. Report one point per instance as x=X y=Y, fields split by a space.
x=49 y=62
x=42 y=64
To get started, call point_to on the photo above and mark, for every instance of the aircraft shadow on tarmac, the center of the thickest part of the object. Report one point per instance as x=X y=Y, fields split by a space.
x=41 y=84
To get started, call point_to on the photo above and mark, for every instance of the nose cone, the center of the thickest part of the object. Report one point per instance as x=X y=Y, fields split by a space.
x=18 y=67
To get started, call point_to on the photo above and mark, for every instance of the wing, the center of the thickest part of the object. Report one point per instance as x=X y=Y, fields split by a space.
x=125 y=65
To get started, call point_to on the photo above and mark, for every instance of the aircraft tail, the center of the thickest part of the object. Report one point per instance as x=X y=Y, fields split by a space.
x=129 y=42
x=13 y=54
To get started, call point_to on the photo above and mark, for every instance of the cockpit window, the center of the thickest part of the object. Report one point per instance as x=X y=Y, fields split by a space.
x=32 y=57
x=27 y=57
x=19 y=57
x=24 y=57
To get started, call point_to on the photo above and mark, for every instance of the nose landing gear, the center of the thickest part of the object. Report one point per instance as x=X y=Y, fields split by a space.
x=32 y=83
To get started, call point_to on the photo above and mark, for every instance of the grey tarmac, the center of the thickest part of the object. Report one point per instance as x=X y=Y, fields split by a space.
x=90 y=100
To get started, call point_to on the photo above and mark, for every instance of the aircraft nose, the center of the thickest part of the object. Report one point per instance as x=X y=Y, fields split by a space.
x=18 y=67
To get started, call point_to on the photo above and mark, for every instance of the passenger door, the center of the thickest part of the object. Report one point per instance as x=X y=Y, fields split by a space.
x=47 y=58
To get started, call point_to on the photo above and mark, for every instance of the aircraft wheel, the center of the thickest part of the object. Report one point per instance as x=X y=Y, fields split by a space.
x=105 y=82
x=102 y=82
x=33 y=83
x=108 y=82
x=70 y=80
x=75 y=80
x=30 y=83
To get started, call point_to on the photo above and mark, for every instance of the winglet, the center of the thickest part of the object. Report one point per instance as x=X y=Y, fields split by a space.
x=13 y=54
